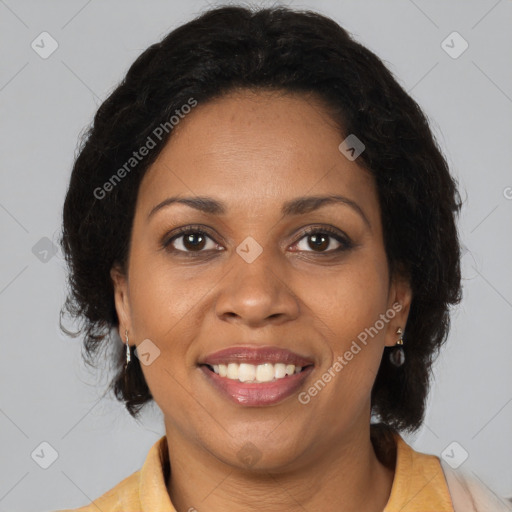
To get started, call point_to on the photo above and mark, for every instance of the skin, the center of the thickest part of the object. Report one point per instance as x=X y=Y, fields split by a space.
x=253 y=151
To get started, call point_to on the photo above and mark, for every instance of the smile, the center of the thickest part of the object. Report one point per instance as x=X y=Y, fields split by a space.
x=256 y=376
x=266 y=372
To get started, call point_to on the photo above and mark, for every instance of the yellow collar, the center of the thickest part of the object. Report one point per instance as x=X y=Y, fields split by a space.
x=419 y=484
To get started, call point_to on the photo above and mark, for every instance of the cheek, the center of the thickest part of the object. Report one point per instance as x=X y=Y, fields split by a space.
x=162 y=302
x=350 y=298
x=162 y=297
x=346 y=307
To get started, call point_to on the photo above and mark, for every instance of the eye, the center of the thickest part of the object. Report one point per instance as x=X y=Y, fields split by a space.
x=195 y=239
x=321 y=239
x=190 y=239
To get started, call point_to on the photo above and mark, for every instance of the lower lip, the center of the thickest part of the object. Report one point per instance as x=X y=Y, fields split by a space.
x=257 y=394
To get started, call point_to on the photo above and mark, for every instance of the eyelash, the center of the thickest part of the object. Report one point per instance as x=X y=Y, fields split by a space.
x=345 y=242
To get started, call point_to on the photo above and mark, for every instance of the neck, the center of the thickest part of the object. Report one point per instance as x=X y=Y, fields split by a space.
x=348 y=477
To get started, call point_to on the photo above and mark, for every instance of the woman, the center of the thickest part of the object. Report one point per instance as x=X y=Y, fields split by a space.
x=262 y=215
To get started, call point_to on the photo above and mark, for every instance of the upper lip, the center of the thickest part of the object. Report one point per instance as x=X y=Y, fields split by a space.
x=259 y=355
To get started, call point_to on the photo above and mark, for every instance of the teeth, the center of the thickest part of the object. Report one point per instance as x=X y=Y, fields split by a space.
x=265 y=372
x=279 y=370
x=232 y=371
x=246 y=372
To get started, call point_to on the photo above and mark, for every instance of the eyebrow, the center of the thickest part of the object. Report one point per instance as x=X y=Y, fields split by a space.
x=297 y=206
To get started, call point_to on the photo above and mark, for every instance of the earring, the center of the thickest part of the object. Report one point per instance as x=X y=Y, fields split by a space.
x=128 y=353
x=397 y=356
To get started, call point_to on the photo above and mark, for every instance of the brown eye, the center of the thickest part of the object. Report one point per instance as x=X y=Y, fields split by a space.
x=194 y=241
x=189 y=240
x=319 y=241
x=323 y=240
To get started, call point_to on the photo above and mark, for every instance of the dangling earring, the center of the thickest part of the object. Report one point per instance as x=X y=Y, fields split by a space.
x=397 y=356
x=128 y=353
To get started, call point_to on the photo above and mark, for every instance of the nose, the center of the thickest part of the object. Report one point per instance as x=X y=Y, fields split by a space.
x=257 y=293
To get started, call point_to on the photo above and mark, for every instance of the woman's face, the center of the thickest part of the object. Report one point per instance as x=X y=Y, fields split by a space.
x=253 y=278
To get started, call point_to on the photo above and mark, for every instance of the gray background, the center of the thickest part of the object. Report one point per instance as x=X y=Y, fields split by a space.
x=46 y=392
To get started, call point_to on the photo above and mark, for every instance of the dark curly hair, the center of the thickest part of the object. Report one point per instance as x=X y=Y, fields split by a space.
x=280 y=49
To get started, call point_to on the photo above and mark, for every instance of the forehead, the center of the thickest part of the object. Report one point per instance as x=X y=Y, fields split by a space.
x=249 y=148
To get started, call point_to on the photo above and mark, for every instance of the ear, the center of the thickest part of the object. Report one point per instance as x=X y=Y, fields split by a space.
x=121 y=299
x=400 y=297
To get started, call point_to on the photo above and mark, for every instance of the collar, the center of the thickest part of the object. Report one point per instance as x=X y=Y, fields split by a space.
x=418 y=482
x=153 y=487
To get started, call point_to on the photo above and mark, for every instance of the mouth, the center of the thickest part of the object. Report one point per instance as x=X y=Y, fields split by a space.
x=256 y=376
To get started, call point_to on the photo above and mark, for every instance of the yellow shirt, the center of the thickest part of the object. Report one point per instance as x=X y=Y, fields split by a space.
x=419 y=485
